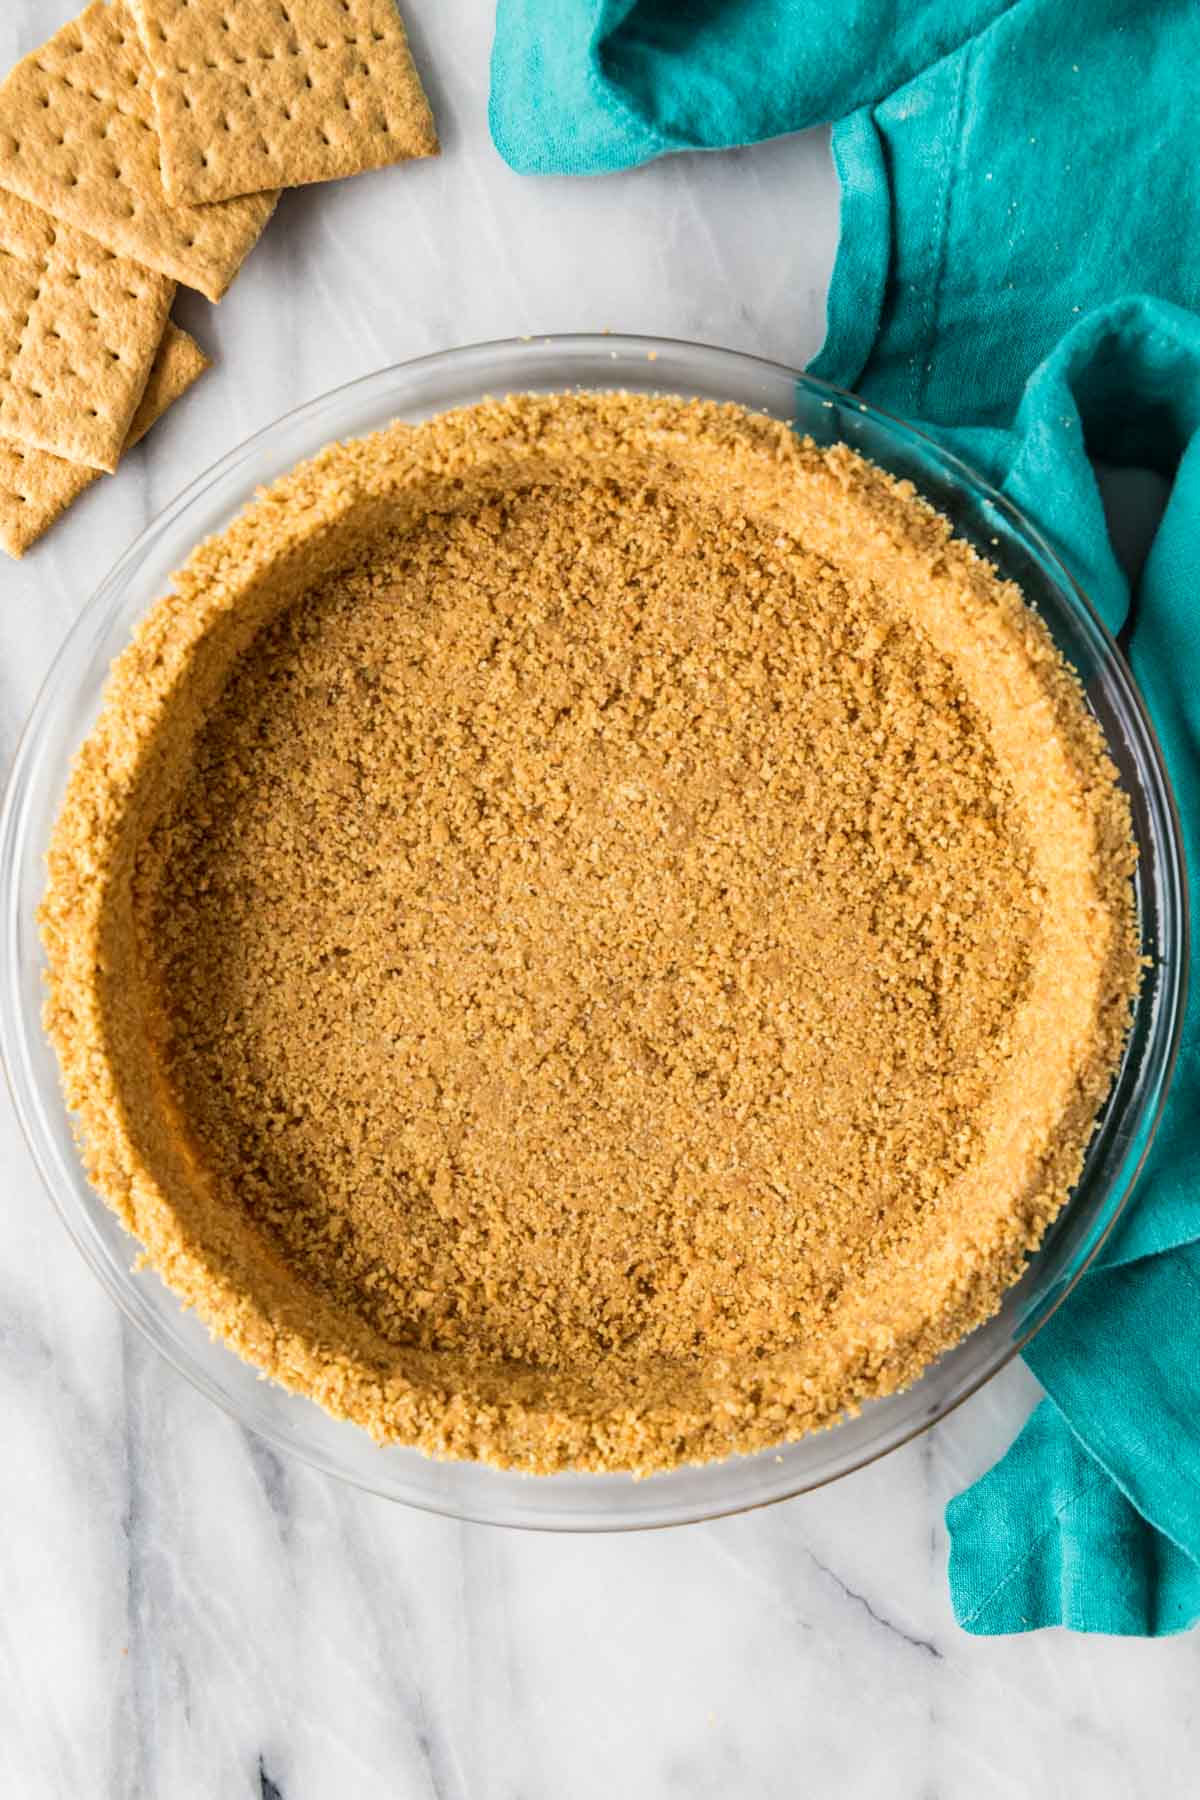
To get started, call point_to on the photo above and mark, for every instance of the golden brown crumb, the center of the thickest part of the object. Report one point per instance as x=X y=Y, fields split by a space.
x=590 y=933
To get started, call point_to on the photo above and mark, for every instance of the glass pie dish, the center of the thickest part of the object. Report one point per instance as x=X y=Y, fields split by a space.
x=67 y=707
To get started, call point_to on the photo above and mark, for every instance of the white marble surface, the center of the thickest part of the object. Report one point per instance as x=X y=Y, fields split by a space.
x=184 y=1615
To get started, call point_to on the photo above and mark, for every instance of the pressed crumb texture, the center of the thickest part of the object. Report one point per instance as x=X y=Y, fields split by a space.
x=590 y=933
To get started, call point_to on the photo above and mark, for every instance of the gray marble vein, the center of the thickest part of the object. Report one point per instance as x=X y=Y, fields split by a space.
x=186 y=1615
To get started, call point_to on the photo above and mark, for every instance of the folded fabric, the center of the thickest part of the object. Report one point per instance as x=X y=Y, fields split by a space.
x=1093 y=1518
x=1017 y=260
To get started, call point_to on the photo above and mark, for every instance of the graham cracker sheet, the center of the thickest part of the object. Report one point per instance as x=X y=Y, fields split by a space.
x=79 y=137
x=36 y=488
x=79 y=330
x=276 y=93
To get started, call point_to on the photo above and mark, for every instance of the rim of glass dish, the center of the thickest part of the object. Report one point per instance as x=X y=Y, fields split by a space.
x=95 y=618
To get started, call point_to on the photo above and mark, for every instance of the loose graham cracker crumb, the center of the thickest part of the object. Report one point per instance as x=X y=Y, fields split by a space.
x=590 y=933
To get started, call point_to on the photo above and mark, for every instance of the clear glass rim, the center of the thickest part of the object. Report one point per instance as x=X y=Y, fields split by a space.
x=89 y=629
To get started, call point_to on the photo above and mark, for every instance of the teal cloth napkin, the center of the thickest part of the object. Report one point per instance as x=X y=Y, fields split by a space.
x=1019 y=257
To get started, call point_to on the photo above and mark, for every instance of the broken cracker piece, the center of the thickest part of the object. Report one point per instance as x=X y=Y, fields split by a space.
x=36 y=489
x=78 y=137
x=263 y=95
x=79 y=331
